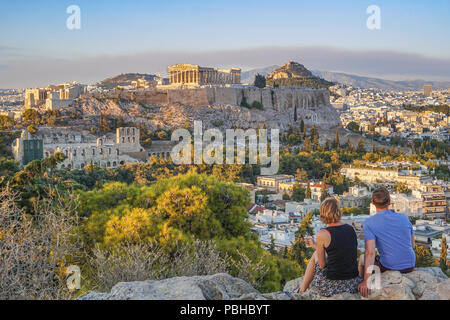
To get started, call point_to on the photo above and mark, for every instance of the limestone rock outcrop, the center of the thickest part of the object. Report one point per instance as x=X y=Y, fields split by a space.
x=422 y=284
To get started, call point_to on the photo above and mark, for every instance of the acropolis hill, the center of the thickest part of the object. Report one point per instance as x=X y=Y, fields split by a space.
x=216 y=97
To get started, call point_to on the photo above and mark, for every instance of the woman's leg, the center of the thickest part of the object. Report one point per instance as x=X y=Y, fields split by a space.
x=309 y=273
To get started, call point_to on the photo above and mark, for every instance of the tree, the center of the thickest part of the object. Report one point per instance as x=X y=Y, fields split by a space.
x=295 y=114
x=299 y=252
x=360 y=148
x=298 y=193
x=307 y=145
x=443 y=258
x=323 y=191
x=336 y=142
x=402 y=187
x=301 y=174
x=302 y=128
x=308 y=191
x=31 y=116
x=424 y=257
x=353 y=126
x=272 y=247
x=260 y=81
x=6 y=122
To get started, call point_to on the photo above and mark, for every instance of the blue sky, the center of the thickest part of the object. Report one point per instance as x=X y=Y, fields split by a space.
x=32 y=31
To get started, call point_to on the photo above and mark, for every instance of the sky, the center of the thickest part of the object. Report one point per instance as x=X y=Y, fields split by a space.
x=37 y=48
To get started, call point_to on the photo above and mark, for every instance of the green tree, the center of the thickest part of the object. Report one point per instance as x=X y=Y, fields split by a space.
x=260 y=81
x=272 y=247
x=299 y=252
x=308 y=191
x=360 y=148
x=298 y=193
x=323 y=191
x=353 y=126
x=31 y=117
x=424 y=257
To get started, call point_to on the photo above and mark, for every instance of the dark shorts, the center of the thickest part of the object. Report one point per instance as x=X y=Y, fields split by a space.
x=384 y=269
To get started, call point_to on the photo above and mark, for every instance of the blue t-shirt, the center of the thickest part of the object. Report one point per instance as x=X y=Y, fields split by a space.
x=392 y=233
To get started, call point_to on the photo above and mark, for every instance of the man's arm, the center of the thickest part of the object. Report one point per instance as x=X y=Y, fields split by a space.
x=413 y=241
x=369 y=260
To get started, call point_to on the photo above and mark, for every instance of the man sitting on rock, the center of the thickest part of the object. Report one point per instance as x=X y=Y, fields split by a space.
x=392 y=234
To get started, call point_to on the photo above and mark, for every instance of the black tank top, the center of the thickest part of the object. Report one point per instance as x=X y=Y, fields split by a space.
x=342 y=253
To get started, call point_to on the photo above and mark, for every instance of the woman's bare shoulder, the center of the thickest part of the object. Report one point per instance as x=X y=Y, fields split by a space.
x=323 y=234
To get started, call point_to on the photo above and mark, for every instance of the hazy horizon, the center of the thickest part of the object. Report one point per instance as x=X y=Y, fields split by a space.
x=146 y=36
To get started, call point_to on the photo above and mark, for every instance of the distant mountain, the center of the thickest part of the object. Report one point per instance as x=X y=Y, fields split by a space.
x=294 y=74
x=124 y=80
x=249 y=76
x=367 y=82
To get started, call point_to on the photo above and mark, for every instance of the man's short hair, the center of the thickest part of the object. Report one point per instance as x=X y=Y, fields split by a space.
x=381 y=198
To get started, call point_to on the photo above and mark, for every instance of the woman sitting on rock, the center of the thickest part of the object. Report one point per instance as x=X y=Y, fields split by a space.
x=333 y=268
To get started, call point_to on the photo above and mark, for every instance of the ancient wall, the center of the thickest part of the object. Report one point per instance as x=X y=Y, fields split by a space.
x=279 y=99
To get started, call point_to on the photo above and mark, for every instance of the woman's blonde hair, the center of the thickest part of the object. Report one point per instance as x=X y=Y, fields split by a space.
x=330 y=211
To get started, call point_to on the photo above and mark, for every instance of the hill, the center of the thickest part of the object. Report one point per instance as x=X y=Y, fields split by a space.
x=123 y=80
x=355 y=80
x=249 y=76
x=294 y=74
x=368 y=82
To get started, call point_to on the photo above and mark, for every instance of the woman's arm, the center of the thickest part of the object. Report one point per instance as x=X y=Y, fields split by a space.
x=323 y=241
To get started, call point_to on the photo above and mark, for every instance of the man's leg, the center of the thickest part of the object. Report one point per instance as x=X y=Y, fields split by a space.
x=309 y=273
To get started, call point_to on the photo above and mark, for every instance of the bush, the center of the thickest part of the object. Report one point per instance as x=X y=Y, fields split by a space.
x=257 y=105
x=36 y=251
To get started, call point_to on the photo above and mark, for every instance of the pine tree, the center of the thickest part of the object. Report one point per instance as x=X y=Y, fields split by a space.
x=348 y=145
x=327 y=145
x=360 y=148
x=307 y=145
x=336 y=143
x=323 y=192
x=308 y=191
x=299 y=252
x=272 y=248
x=302 y=126
x=443 y=258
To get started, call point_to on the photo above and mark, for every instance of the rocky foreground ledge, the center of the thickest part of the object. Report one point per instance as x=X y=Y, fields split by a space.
x=422 y=284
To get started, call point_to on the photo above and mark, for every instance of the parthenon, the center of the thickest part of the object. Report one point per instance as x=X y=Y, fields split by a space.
x=195 y=75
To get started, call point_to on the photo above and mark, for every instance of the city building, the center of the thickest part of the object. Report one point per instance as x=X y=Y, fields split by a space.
x=302 y=208
x=434 y=200
x=28 y=148
x=272 y=182
x=409 y=205
x=428 y=90
x=196 y=75
x=54 y=97
x=81 y=149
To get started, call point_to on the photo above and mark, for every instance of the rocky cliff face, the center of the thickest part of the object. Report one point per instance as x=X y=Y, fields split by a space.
x=218 y=107
x=295 y=74
x=422 y=284
x=290 y=70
